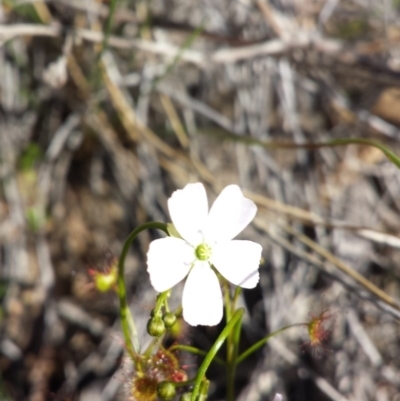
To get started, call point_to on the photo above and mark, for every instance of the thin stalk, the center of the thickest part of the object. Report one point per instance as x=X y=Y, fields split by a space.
x=234 y=337
x=127 y=323
x=227 y=300
x=156 y=341
x=213 y=352
x=195 y=351
x=230 y=344
x=391 y=156
x=263 y=341
x=238 y=291
x=184 y=384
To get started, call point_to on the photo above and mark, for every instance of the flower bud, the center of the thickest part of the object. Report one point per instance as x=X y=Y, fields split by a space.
x=179 y=376
x=155 y=327
x=166 y=390
x=186 y=397
x=169 y=320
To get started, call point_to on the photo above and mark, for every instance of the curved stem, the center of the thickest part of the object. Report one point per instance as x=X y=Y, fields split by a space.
x=127 y=323
x=162 y=297
x=213 y=351
x=195 y=351
x=263 y=341
x=391 y=156
x=184 y=384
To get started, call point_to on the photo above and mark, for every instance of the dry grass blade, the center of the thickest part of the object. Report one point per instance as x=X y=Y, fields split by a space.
x=368 y=285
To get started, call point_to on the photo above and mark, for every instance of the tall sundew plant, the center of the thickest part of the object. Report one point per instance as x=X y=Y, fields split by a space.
x=199 y=247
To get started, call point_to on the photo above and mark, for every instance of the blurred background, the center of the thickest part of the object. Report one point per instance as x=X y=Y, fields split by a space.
x=107 y=107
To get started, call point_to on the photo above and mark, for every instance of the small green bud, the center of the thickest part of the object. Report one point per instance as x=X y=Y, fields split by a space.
x=166 y=390
x=155 y=327
x=169 y=320
x=186 y=397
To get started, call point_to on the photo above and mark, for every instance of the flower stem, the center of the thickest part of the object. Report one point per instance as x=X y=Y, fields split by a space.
x=195 y=351
x=156 y=341
x=227 y=299
x=127 y=322
x=232 y=346
x=213 y=351
x=234 y=339
x=238 y=291
x=263 y=341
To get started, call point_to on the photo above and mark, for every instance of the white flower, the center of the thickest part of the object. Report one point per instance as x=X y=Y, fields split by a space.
x=206 y=243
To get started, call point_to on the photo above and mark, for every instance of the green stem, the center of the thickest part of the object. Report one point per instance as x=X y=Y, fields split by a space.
x=227 y=299
x=161 y=299
x=195 y=351
x=184 y=384
x=234 y=338
x=391 y=156
x=263 y=341
x=156 y=341
x=230 y=344
x=127 y=323
x=238 y=291
x=213 y=352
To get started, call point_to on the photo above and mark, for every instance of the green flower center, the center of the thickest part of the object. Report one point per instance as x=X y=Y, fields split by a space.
x=203 y=252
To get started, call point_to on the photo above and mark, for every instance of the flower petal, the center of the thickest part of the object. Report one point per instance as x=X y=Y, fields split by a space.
x=168 y=262
x=202 y=297
x=238 y=262
x=229 y=215
x=188 y=208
